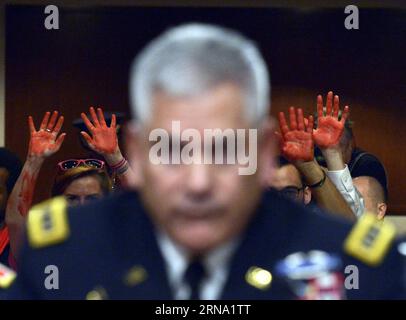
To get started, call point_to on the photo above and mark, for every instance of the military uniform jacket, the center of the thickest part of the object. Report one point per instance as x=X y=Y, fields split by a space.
x=108 y=250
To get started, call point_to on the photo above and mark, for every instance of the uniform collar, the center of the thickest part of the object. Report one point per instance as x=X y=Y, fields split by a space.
x=177 y=260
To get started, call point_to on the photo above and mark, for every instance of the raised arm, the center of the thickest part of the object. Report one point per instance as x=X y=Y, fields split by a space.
x=327 y=137
x=43 y=143
x=103 y=140
x=298 y=147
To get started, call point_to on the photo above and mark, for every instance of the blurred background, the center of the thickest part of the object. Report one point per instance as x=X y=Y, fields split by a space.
x=308 y=50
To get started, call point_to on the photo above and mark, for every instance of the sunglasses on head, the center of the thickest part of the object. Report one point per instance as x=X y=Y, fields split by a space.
x=74 y=163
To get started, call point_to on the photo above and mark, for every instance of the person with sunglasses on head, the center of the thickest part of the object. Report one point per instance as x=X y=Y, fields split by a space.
x=77 y=179
x=81 y=180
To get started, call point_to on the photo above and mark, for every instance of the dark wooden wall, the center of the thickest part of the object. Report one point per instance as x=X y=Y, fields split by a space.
x=86 y=63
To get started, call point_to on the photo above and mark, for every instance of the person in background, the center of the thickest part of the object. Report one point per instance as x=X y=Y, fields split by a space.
x=373 y=194
x=45 y=142
x=289 y=183
x=81 y=180
x=360 y=162
x=10 y=168
x=332 y=190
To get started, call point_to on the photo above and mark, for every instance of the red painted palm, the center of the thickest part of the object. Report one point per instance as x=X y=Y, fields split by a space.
x=104 y=138
x=296 y=142
x=329 y=128
x=45 y=142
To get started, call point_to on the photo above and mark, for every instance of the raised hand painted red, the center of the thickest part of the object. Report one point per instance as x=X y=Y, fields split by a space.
x=329 y=128
x=296 y=141
x=104 y=139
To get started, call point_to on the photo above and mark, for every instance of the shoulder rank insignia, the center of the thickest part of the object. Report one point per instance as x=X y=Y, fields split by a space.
x=369 y=239
x=7 y=276
x=47 y=223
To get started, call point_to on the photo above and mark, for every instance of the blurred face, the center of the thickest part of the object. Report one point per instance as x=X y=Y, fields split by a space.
x=83 y=189
x=200 y=206
x=288 y=183
x=3 y=188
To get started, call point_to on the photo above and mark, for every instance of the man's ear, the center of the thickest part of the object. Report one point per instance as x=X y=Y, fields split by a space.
x=267 y=152
x=307 y=195
x=381 y=210
x=133 y=147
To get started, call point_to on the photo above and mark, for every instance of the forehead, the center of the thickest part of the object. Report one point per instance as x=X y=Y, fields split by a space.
x=221 y=107
x=287 y=176
x=87 y=184
x=361 y=184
